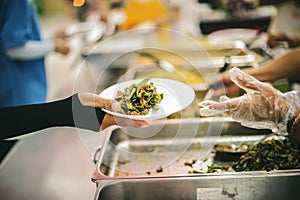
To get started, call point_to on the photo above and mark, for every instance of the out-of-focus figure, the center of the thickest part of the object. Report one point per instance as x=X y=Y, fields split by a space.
x=188 y=16
x=22 y=53
x=77 y=10
x=94 y=18
x=286 y=24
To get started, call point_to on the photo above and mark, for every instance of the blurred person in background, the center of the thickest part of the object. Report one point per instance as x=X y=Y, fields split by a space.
x=108 y=12
x=83 y=10
x=22 y=56
x=186 y=17
x=286 y=24
x=77 y=10
x=94 y=17
x=22 y=53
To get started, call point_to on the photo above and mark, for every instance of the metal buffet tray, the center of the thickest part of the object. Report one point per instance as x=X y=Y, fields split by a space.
x=150 y=163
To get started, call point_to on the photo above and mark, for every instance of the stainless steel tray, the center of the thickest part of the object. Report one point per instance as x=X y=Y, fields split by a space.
x=166 y=144
x=145 y=162
x=241 y=186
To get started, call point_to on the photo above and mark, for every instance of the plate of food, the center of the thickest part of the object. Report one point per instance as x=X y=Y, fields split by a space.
x=149 y=99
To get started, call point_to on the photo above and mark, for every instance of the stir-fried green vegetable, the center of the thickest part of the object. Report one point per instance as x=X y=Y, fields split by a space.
x=138 y=99
x=270 y=155
x=273 y=154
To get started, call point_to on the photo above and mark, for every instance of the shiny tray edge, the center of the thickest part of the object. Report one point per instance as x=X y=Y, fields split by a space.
x=98 y=175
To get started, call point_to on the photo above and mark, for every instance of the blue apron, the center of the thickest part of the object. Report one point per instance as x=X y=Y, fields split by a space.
x=21 y=82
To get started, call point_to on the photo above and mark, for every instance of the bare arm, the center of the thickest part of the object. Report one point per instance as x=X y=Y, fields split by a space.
x=286 y=66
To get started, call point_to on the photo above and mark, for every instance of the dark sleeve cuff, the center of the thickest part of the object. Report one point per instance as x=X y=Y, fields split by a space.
x=70 y=112
x=86 y=117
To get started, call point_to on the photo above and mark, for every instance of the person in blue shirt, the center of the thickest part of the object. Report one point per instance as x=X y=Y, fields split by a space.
x=22 y=53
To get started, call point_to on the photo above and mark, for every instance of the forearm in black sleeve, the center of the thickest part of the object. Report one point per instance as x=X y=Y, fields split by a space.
x=19 y=120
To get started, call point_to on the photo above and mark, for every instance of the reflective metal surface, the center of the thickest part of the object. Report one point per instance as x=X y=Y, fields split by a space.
x=134 y=164
x=261 y=186
x=161 y=149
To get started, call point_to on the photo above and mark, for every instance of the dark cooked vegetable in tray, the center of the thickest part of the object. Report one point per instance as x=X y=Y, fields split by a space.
x=272 y=154
x=138 y=99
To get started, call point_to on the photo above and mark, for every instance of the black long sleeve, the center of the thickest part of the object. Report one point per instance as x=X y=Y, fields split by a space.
x=15 y=121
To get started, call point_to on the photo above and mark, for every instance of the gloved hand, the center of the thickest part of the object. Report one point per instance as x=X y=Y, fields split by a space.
x=261 y=107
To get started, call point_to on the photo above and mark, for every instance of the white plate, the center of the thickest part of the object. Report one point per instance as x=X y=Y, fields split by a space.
x=228 y=37
x=177 y=96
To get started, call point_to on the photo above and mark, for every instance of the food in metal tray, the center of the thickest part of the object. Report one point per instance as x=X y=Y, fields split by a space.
x=138 y=99
x=270 y=155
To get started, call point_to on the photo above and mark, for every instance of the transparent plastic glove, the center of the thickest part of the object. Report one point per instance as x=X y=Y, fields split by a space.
x=261 y=107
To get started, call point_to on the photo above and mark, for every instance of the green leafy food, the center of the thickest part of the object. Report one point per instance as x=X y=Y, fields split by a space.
x=138 y=99
x=270 y=155
x=273 y=154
